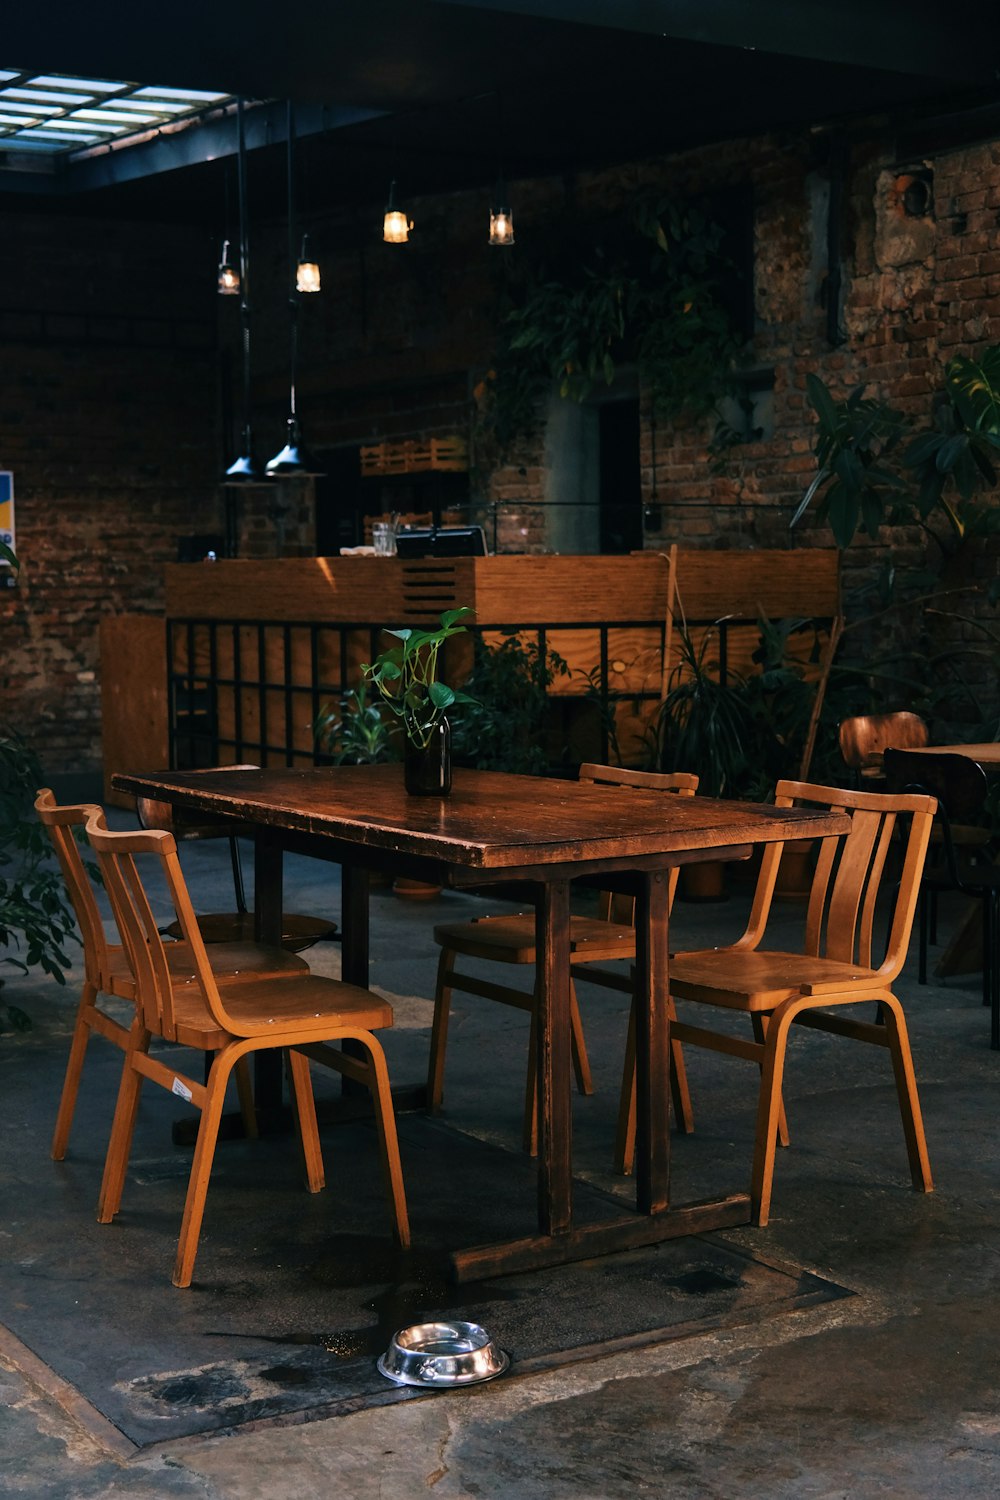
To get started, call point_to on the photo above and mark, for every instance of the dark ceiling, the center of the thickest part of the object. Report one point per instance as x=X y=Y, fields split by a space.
x=428 y=90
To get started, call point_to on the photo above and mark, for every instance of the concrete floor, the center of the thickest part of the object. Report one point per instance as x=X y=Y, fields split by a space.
x=894 y=1392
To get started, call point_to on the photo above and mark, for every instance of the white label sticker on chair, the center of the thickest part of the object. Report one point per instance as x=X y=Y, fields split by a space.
x=180 y=1088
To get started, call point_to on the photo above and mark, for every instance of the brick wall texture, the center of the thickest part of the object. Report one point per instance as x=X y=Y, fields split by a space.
x=119 y=380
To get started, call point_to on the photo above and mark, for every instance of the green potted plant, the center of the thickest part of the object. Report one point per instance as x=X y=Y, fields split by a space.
x=406 y=675
x=355 y=732
x=36 y=920
x=505 y=727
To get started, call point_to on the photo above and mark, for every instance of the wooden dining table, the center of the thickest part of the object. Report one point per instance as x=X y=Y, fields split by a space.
x=527 y=838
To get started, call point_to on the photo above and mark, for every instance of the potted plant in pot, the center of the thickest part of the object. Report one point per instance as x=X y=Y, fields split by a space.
x=406 y=675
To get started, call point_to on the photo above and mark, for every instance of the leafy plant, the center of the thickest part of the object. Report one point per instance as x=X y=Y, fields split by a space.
x=36 y=920
x=873 y=469
x=504 y=729
x=704 y=725
x=647 y=293
x=406 y=676
x=355 y=732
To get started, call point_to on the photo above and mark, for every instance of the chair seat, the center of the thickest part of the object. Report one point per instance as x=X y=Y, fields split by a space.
x=977 y=877
x=312 y=1005
x=297 y=932
x=759 y=980
x=511 y=940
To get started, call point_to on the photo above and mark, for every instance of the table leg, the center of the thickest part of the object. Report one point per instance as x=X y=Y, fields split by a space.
x=652 y=1048
x=354 y=921
x=555 y=1128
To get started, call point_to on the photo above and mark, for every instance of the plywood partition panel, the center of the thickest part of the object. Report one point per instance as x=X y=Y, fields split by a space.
x=134 y=719
x=259 y=647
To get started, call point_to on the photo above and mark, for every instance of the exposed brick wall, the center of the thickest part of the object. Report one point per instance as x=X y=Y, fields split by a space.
x=118 y=392
x=108 y=419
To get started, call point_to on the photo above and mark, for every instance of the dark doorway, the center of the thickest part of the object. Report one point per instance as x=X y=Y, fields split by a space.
x=338 y=500
x=620 y=484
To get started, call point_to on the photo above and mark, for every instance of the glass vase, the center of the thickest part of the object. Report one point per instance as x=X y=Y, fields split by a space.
x=427 y=768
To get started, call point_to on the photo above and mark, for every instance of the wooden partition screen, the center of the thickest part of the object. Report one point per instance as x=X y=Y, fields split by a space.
x=253 y=650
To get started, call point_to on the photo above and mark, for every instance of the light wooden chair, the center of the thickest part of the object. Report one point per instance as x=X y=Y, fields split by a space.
x=105 y=965
x=297 y=931
x=302 y=1017
x=833 y=967
x=511 y=940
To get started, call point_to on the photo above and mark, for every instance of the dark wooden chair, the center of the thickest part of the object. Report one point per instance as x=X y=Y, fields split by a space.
x=833 y=967
x=302 y=1018
x=297 y=931
x=864 y=739
x=961 y=786
x=106 y=968
x=511 y=940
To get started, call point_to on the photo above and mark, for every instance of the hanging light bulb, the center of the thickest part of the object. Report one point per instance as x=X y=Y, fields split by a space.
x=501 y=219
x=395 y=226
x=307 y=271
x=229 y=276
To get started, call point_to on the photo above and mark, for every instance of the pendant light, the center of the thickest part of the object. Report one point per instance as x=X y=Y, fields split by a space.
x=395 y=226
x=307 y=277
x=291 y=458
x=229 y=276
x=243 y=468
x=501 y=219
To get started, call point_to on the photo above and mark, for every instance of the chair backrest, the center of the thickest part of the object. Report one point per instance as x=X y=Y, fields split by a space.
x=959 y=783
x=864 y=739
x=840 y=914
x=118 y=855
x=616 y=907
x=60 y=823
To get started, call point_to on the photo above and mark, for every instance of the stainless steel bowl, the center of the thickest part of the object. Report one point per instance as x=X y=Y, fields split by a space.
x=442 y=1355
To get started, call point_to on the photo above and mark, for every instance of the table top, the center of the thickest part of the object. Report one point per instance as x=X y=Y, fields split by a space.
x=987 y=754
x=490 y=821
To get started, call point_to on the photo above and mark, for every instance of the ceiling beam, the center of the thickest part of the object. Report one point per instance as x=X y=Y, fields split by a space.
x=192 y=143
x=958 y=42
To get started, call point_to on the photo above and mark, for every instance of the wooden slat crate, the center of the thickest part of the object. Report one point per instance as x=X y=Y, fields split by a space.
x=415 y=456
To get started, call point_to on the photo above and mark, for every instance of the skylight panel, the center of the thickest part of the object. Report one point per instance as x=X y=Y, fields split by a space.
x=192 y=96
x=58 y=81
x=60 y=113
x=46 y=96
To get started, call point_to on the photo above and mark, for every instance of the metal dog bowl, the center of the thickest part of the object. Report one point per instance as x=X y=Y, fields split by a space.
x=442 y=1355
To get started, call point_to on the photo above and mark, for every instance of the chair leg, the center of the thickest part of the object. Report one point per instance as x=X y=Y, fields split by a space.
x=680 y=1095
x=581 y=1062
x=906 y=1090
x=439 y=1034
x=306 y=1125
x=201 y=1165
x=74 y=1068
x=759 y=1024
x=388 y=1140
x=769 y=1109
x=581 y=1068
x=122 y=1128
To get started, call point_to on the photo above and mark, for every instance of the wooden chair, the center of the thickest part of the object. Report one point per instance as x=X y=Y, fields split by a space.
x=833 y=967
x=105 y=965
x=511 y=940
x=864 y=738
x=302 y=1017
x=297 y=931
x=961 y=787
